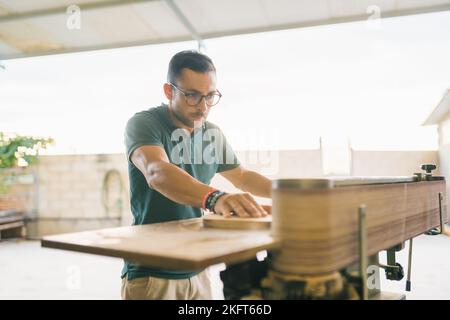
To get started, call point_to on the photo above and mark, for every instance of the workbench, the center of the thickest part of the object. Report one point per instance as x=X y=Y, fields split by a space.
x=324 y=232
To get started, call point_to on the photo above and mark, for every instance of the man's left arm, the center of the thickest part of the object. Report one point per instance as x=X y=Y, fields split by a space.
x=249 y=181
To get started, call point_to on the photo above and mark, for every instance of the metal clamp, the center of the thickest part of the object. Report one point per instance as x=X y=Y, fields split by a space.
x=408 y=279
x=427 y=176
x=393 y=269
x=440 y=230
x=363 y=251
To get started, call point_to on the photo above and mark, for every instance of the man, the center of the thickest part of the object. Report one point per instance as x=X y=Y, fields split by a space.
x=173 y=153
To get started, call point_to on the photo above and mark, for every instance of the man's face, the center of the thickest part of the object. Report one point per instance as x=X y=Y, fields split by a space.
x=192 y=82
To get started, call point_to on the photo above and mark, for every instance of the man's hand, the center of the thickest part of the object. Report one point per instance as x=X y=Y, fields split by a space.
x=241 y=204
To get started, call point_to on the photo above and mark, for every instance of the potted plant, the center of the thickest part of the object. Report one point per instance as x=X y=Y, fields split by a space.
x=16 y=154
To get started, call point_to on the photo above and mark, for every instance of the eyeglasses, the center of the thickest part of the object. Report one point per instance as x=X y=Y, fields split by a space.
x=194 y=99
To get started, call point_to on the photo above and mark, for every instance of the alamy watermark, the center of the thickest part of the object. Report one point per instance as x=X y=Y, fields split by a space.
x=373 y=22
x=73 y=280
x=73 y=21
x=373 y=278
x=210 y=147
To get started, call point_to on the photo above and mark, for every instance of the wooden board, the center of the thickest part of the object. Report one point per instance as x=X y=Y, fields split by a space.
x=182 y=244
x=313 y=231
x=12 y=225
x=220 y=222
x=319 y=227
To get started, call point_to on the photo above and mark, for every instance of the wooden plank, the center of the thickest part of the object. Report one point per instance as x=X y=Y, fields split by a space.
x=312 y=232
x=6 y=220
x=319 y=227
x=12 y=225
x=220 y=222
x=182 y=244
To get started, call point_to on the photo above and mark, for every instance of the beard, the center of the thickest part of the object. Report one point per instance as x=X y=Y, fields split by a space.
x=191 y=123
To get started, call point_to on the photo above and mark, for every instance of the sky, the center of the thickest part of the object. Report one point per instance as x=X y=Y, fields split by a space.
x=370 y=85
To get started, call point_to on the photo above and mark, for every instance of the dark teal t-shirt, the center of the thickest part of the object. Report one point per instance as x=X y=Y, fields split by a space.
x=200 y=154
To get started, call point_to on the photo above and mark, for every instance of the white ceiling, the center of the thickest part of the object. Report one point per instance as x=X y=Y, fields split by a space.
x=31 y=27
x=441 y=112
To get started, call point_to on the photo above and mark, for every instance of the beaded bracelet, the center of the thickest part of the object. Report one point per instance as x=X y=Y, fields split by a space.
x=205 y=198
x=211 y=200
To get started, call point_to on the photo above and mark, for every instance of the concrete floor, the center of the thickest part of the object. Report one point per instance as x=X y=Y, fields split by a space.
x=28 y=271
x=430 y=275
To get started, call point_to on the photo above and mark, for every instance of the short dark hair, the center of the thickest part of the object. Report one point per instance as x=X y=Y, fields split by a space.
x=190 y=59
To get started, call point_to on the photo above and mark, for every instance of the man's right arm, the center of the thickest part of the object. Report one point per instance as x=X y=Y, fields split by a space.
x=177 y=185
x=166 y=178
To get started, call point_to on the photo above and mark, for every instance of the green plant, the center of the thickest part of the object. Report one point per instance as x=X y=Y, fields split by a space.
x=21 y=151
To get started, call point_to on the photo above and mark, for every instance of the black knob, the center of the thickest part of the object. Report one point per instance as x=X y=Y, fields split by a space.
x=428 y=167
x=395 y=272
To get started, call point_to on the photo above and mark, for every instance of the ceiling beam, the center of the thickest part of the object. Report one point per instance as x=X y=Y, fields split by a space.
x=362 y=17
x=185 y=21
x=62 y=10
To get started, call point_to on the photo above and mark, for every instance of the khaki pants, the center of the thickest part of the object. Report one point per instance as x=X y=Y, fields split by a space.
x=151 y=288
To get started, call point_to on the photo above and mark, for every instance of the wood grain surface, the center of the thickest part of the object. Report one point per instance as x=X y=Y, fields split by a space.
x=319 y=228
x=220 y=222
x=184 y=244
x=312 y=231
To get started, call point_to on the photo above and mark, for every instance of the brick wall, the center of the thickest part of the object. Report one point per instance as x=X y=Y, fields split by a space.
x=74 y=186
x=80 y=192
